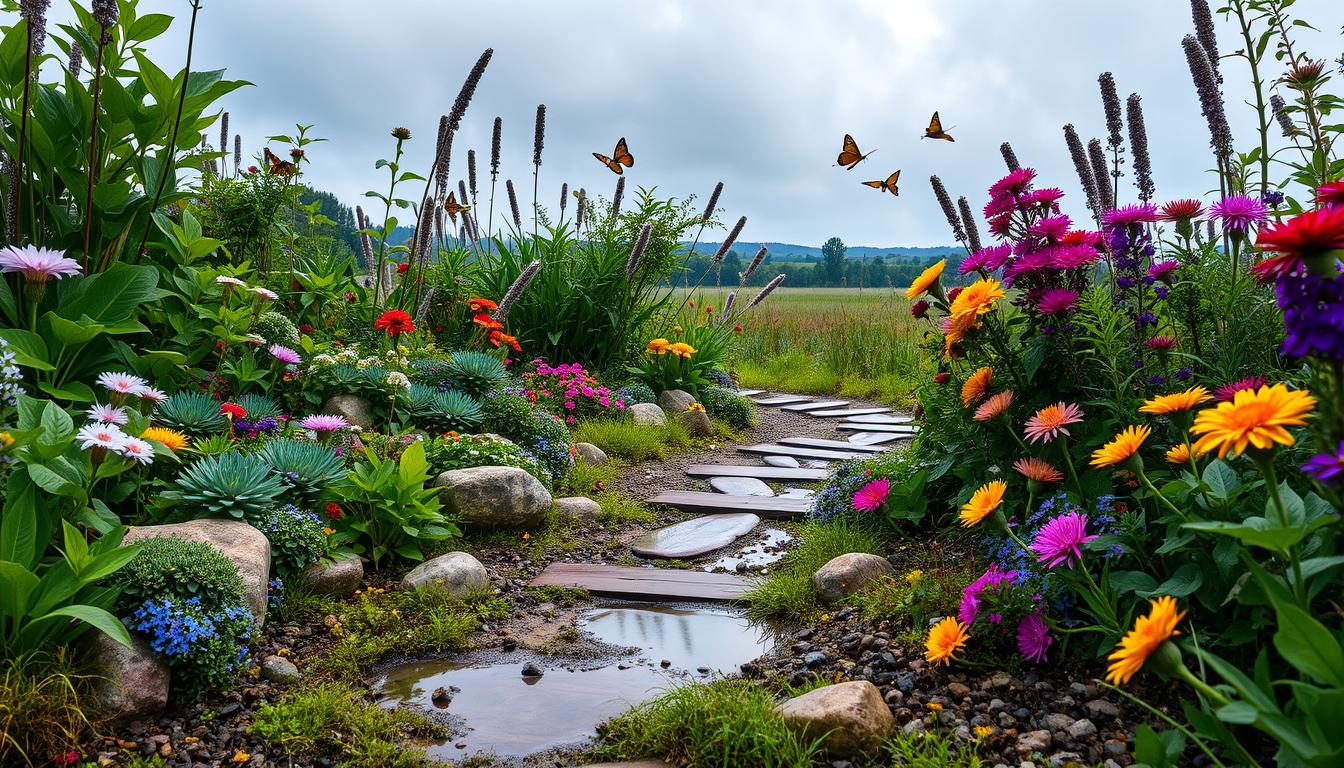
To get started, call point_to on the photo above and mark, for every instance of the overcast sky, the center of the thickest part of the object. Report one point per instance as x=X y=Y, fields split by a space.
x=755 y=94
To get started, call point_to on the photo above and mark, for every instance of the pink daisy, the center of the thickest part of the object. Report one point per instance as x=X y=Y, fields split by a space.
x=1125 y=215
x=122 y=383
x=1052 y=421
x=872 y=496
x=1015 y=183
x=1239 y=213
x=107 y=414
x=1073 y=256
x=107 y=436
x=1163 y=270
x=322 y=422
x=1046 y=197
x=152 y=395
x=285 y=354
x=38 y=265
x=1060 y=541
x=1161 y=343
x=266 y=293
x=1052 y=227
x=135 y=448
x=1226 y=392
x=1033 y=637
x=1056 y=300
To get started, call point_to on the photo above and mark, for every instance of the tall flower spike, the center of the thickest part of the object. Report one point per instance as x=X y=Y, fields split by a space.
x=422 y=311
x=581 y=209
x=468 y=90
x=1280 y=108
x=471 y=173
x=766 y=291
x=539 y=134
x=365 y=244
x=1210 y=100
x=224 y=132
x=513 y=204
x=35 y=11
x=968 y=221
x=11 y=201
x=515 y=290
x=1208 y=39
x=729 y=240
x=616 y=198
x=637 y=252
x=462 y=191
x=237 y=151
x=728 y=306
x=1138 y=146
x=424 y=234
x=755 y=262
x=76 y=59
x=1110 y=102
x=564 y=197
x=945 y=202
x=713 y=202
x=442 y=151
x=1084 y=170
x=494 y=147
x=105 y=12
x=1009 y=156
x=1096 y=155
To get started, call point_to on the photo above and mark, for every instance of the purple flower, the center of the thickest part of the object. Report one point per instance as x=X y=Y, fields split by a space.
x=1183 y=374
x=1060 y=541
x=1313 y=315
x=988 y=259
x=1124 y=282
x=285 y=355
x=1125 y=215
x=1327 y=468
x=992 y=580
x=324 y=423
x=1033 y=637
x=1239 y=213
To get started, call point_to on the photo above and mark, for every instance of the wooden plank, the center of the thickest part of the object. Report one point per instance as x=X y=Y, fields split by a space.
x=900 y=429
x=846 y=412
x=798 y=452
x=644 y=583
x=817 y=406
x=782 y=400
x=714 y=503
x=778 y=474
x=750 y=392
x=838 y=445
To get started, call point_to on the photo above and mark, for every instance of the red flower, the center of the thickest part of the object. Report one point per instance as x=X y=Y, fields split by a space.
x=1330 y=194
x=296 y=153
x=334 y=511
x=252 y=169
x=1181 y=210
x=481 y=305
x=294 y=286
x=487 y=322
x=306 y=328
x=395 y=322
x=350 y=296
x=233 y=411
x=65 y=758
x=953 y=294
x=919 y=308
x=1307 y=235
x=943 y=377
x=737 y=328
x=403 y=267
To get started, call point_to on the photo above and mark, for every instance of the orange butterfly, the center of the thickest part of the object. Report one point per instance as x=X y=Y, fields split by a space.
x=850 y=155
x=889 y=185
x=453 y=207
x=935 y=129
x=621 y=157
x=278 y=167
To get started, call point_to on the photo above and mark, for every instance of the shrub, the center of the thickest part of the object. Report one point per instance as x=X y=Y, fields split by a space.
x=235 y=484
x=571 y=391
x=624 y=439
x=552 y=444
x=439 y=411
x=166 y=565
x=388 y=511
x=297 y=538
x=194 y=413
x=475 y=373
x=333 y=718
x=449 y=452
x=275 y=328
x=738 y=411
x=637 y=392
x=507 y=413
x=307 y=470
x=204 y=645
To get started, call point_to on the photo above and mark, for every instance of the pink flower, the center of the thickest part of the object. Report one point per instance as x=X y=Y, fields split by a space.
x=38 y=265
x=122 y=383
x=285 y=354
x=569 y=405
x=137 y=449
x=106 y=436
x=1046 y=197
x=1051 y=227
x=1239 y=213
x=322 y=422
x=1052 y=421
x=1072 y=256
x=1161 y=343
x=1226 y=392
x=872 y=496
x=1033 y=637
x=1056 y=300
x=992 y=580
x=1163 y=270
x=1125 y=215
x=1060 y=541
x=988 y=259
x=1015 y=183
x=107 y=414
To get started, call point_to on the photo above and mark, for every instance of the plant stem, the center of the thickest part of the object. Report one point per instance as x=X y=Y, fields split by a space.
x=23 y=135
x=1169 y=721
x=94 y=165
x=1143 y=478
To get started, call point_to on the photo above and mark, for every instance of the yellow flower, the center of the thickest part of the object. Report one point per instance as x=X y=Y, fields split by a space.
x=1255 y=419
x=696 y=407
x=1121 y=447
x=1177 y=401
x=925 y=280
x=983 y=731
x=6 y=440
x=945 y=638
x=984 y=501
x=241 y=757
x=328 y=531
x=677 y=329
x=976 y=386
x=934 y=706
x=976 y=299
x=1178 y=454
x=1148 y=634
x=169 y=437
x=681 y=349
x=658 y=345
x=914 y=576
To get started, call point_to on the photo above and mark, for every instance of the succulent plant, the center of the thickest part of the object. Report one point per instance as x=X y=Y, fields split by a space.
x=305 y=469
x=194 y=413
x=234 y=484
x=258 y=406
x=475 y=373
x=275 y=328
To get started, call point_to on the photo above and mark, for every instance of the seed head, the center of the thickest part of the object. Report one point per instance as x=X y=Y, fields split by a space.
x=1138 y=145
x=1009 y=157
x=968 y=222
x=949 y=211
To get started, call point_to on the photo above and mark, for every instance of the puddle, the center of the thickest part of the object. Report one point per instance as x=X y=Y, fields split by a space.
x=767 y=550
x=691 y=639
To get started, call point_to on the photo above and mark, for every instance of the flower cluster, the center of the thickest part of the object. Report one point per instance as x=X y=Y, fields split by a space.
x=482 y=315
x=569 y=389
x=206 y=647
x=11 y=380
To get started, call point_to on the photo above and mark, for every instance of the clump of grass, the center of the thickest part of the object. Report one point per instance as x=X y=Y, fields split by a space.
x=787 y=593
x=621 y=507
x=42 y=698
x=726 y=722
x=562 y=596
x=932 y=749
x=301 y=605
x=330 y=718
x=558 y=642
x=586 y=479
x=909 y=600
x=633 y=442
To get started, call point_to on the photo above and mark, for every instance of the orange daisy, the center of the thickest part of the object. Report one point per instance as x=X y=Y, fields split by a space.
x=1177 y=401
x=925 y=281
x=1148 y=634
x=984 y=501
x=977 y=298
x=976 y=386
x=1039 y=470
x=1252 y=419
x=945 y=638
x=1121 y=447
x=995 y=406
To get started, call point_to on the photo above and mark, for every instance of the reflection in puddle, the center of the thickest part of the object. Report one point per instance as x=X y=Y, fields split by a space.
x=690 y=639
x=769 y=549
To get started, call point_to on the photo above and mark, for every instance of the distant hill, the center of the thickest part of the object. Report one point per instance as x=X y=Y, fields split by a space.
x=780 y=251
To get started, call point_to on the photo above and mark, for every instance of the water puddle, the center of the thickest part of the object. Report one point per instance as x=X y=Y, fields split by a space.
x=755 y=557
x=714 y=640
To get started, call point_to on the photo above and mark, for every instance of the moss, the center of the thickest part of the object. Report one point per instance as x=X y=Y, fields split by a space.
x=621 y=507
x=331 y=720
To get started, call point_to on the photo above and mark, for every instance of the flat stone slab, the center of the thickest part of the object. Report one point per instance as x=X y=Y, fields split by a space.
x=839 y=445
x=897 y=429
x=700 y=502
x=875 y=438
x=696 y=536
x=750 y=392
x=783 y=400
x=817 y=464
x=781 y=461
x=644 y=583
x=881 y=418
x=791 y=474
x=799 y=452
x=740 y=486
x=817 y=406
x=796 y=493
x=845 y=413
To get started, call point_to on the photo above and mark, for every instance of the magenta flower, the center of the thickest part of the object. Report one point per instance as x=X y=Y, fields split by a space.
x=991 y=581
x=285 y=354
x=322 y=422
x=1228 y=391
x=1015 y=183
x=1163 y=270
x=1239 y=213
x=872 y=496
x=1056 y=300
x=1072 y=256
x=1033 y=637
x=1327 y=468
x=38 y=265
x=988 y=259
x=1138 y=213
x=1046 y=197
x=1031 y=262
x=1060 y=541
x=1161 y=343
x=1052 y=227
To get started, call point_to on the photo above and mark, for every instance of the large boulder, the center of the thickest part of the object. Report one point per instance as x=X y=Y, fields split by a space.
x=494 y=497
x=647 y=415
x=852 y=717
x=590 y=454
x=244 y=545
x=581 y=507
x=338 y=577
x=354 y=408
x=847 y=574
x=130 y=682
x=697 y=422
x=675 y=400
x=458 y=572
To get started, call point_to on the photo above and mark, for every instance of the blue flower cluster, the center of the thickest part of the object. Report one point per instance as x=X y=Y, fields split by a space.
x=275 y=593
x=271 y=524
x=181 y=628
x=837 y=497
x=553 y=456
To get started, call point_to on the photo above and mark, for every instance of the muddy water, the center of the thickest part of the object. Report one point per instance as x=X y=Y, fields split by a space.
x=768 y=549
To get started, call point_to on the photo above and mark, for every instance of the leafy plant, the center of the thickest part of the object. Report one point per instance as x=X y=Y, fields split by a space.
x=738 y=411
x=455 y=411
x=275 y=328
x=297 y=538
x=166 y=565
x=306 y=470
x=448 y=452
x=194 y=413
x=258 y=406
x=235 y=484
x=388 y=510
x=475 y=373
x=205 y=645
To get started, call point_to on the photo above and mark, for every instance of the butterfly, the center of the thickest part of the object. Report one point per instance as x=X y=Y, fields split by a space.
x=850 y=155
x=453 y=207
x=889 y=185
x=935 y=129
x=621 y=157
x=278 y=167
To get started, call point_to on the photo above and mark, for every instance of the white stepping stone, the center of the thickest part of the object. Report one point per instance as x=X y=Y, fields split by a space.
x=796 y=493
x=740 y=486
x=876 y=438
x=781 y=461
x=816 y=464
x=818 y=406
x=880 y=418
x=783 y=400
x=750 y=392
x=695 y=536
x=846 y=412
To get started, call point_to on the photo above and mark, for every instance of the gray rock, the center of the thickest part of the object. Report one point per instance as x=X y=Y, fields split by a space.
x=244 y=545
x=1115 y=748
x=457 y=572
x=675 y=400
x=1081 y=729
x=131 y=681
x=530 y=669
x=697 y=423
x=1056 y=721
x=1066 y=760
x=1034 y=741
x=581 y=507
x=590 y=454
x=494 y=497
x=848 y=574
x=647 y=414
x=781 y=461
x=339 y=576
x=849 y=717
x=1101 y=708
x=915 y=725
x=740 y=486
x=354 y=408
x=278 y=669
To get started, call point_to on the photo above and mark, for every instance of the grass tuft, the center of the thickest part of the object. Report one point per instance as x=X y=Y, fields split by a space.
x=41 y=707
x=301 y=605
x=330 y=718
x=621 y=507
x=786 y=594
x=624 y=439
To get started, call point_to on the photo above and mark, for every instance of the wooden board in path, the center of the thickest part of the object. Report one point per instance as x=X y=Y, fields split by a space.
x=847 y=412
x=643 y=583
x=776 y=474
x=798 y=452
x=900 y=429
x=817 y=406
x=782 y=400
x=699 y=502
x=838 y=445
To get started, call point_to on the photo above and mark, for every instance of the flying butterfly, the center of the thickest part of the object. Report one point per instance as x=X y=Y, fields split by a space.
x=889 y=185
x=620 y=156
x=278 y=167
x=453 y=207
x=935 y=129
x=850 y=155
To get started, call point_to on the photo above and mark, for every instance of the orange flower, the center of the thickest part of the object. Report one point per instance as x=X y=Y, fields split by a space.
x=984 y=501
x=170 y=437
x=995 y=406
x=1176 y=402
x=1252 y=419
x=1121 y=447
x=976 y=386
x=1178 y=454
x=487 y=322
x=1148 y=634
x=925 y=281
x=681 y=349
x=1039 y=470
x=658 y=345
x=501 y=339
x=945 y=638
x=977 y=298
x=481 y=305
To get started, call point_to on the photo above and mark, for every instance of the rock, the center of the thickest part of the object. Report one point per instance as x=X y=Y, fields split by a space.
x=852 y=716
x=1034 y=741
x=912 y=727
x=959 y=690
x=278 y=669
x=675 y=400
x=354 y=408
x=848 y=574
x=494 y=497
x=1115 y=748
x=814 y=659
x=244 y=545
x=1101 y=708
x=781 y=461
x=441 y=697
x=647 y=414
x=1056 y=721
x=457 y=572
x=131 y=681
x=1081 y=729
x=590 y=454
x=530 y=669
x=338 y=577
x=696 y=536
x=581 y=507
x=740 y=486
x=697 y=422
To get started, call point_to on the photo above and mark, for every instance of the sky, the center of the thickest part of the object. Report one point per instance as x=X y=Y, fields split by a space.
x=754 y=93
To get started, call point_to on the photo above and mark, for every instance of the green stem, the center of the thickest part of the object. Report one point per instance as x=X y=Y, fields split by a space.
x=1159 y=714
x=1143 y=478
x=1073 y=473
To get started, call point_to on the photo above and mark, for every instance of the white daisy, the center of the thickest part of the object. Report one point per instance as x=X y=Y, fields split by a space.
x=226 y=280
x=135 y=448
x=266 y=293
x=107 y=436
x=121 y=383
x=153 y=395
x=107 y=414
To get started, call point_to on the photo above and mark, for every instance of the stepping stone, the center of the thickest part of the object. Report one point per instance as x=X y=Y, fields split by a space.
x=794 y=474
x=875 y=438
x=798 y=452
x=839 y=445
x=817 y=464
x=644 y=583
x=740 y=486
x=898 y=429
x=781 y=461
x=795 y=493
x=881 y=418
x=822 y=405
x=846 y=413
x=696 y=536
x=706 y=503
x=750 y=392
x=783 y=400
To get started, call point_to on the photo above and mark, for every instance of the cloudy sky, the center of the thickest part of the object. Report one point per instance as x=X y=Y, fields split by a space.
x=754 y=93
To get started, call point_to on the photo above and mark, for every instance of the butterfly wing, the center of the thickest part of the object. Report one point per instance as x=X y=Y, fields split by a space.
x=607 y=161
x=873 y=184
x=622 y=154
x=890 y=183
x=849 y=153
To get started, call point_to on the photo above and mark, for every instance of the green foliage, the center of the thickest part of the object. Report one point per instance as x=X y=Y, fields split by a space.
x=297 y=539
x=446 y=452
x=258 y=406
x=450 y=411
x=380 y=625
x=166 y=565
x=637 y=392
x=276 y=328
x=241 y=213
x=624 y=439
x=620 y=507
x=721 y=403
x=333 y=718
x=233 y=484
x=388 y=510
x=306 y=470
x=204 y=645
x=933 y=749
x=475 y=373
x=45 y=698
x=195 y=413
x=787 y=593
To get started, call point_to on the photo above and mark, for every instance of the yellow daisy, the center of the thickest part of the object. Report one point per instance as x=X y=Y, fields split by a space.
x=1121 y=447
x=1253 y=418
x=925 y=281
x=945 y=638
x=1148 y=634
x=976 y=299
x=169 y=437
x=984 y=501
x=1177 y=401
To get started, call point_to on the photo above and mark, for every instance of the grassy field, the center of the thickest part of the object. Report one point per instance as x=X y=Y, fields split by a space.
x=841 y=341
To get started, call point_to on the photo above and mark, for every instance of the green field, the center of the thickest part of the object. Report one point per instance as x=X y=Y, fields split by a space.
x=843 y=341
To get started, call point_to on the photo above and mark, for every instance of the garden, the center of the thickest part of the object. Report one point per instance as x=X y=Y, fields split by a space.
x=291 y=483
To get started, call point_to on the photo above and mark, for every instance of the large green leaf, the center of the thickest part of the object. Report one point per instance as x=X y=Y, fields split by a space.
x=16 y=587
x=1306 y=644
x=111 y=296
x=94 y=616
x=30 y=351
